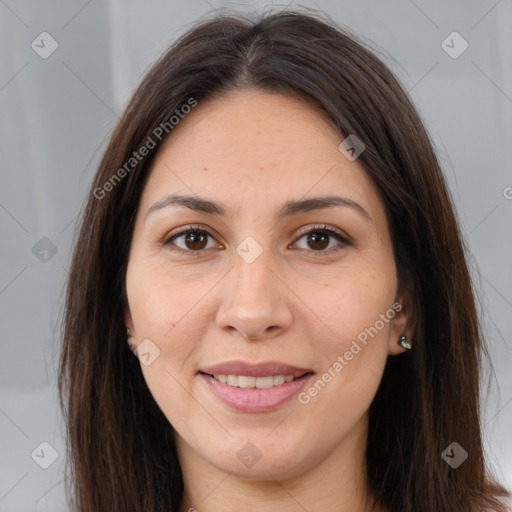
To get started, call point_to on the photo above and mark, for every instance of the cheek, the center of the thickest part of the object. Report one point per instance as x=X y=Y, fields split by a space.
x=161 y=306
x=351 y=301
x=353 y=354
x=167 y=306
x=160 y=297
x=356 y=305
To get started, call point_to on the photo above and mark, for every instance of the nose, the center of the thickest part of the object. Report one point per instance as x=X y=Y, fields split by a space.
x=255 y=302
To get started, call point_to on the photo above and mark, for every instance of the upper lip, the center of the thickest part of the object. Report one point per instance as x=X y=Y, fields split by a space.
x=264 y=369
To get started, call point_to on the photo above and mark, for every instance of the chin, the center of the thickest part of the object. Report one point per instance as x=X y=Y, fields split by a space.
x=260 y=460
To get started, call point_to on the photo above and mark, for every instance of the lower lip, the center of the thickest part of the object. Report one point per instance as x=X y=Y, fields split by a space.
x=254 y=399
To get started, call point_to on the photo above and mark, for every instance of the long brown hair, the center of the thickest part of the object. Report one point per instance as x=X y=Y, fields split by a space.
x=120 y=445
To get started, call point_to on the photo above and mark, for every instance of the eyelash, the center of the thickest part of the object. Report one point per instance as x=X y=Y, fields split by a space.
x=198 y=229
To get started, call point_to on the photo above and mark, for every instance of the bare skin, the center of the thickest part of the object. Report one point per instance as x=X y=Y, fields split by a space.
x=302 y=302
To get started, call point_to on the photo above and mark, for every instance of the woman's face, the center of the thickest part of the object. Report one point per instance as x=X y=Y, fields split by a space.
x=254 y=298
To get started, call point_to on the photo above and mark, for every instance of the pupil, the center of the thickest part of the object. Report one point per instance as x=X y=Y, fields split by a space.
x=196 y=241
x=316 y=240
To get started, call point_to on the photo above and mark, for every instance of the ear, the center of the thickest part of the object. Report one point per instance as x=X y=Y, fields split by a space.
x=128 y=322
x=132 y=339
x=404 y=322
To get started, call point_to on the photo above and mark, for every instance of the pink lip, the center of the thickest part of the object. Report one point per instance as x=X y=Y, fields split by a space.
x=253 y=399
x=255 y=370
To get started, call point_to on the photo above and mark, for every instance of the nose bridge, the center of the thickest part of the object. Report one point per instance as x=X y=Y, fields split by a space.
x=252 y=279
x=254 y=302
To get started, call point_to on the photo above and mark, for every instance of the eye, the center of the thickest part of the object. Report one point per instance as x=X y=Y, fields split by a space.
x=192 y=239
x=319 y=238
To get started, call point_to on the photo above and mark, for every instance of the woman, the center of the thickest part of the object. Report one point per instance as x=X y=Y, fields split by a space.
x=270 y=233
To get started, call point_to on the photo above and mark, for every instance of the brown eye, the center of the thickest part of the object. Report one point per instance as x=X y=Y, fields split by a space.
x=319 y=239
x=189 y=240
x=196 y=240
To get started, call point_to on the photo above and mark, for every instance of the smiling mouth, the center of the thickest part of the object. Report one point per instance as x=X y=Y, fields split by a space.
x=247 y=381
x=260 y=388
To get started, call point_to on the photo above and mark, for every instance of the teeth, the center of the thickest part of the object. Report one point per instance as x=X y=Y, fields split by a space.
x=232 y=380
x=280 y=379
x=264 y=382
x=245 y=381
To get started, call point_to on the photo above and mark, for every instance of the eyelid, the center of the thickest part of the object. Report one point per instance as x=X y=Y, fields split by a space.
x=184 y=229
x=323 y=227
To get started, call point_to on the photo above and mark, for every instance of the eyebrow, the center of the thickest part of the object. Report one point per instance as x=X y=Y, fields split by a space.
x=289 y=208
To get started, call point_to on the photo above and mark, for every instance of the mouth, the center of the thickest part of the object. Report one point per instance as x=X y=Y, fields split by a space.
x=255 y=388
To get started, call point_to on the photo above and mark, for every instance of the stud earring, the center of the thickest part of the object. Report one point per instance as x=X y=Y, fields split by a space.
x=404 y=342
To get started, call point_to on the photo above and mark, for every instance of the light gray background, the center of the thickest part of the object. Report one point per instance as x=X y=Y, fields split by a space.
x=55 y=117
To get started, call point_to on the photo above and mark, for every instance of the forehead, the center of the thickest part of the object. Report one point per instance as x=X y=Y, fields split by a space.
x=259 y=150
x=244 y=125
